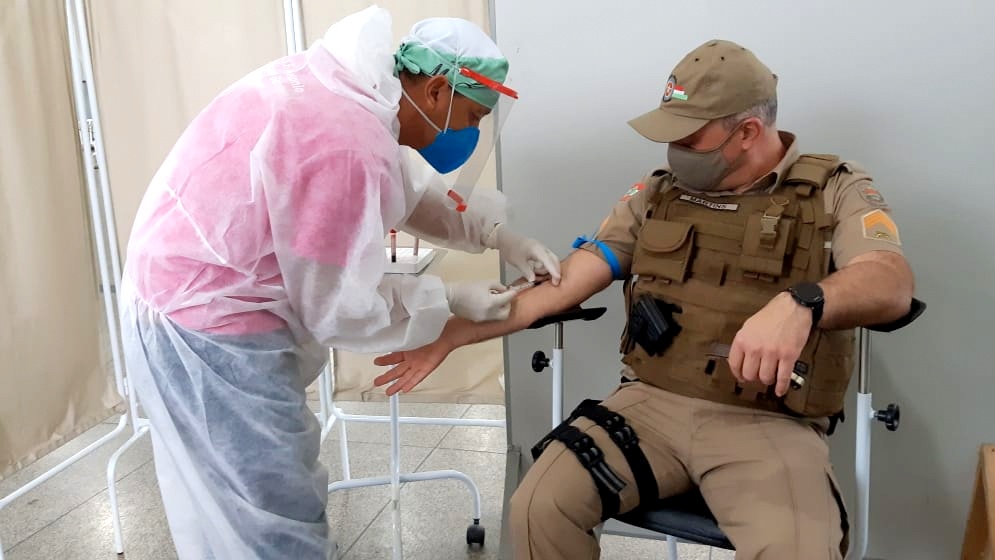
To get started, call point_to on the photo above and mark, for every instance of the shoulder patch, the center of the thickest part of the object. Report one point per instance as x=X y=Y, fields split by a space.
x=872 y=196
x=879 y=226
x=636 y=189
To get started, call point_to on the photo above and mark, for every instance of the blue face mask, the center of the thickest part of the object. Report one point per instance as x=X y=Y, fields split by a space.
x=451 y=148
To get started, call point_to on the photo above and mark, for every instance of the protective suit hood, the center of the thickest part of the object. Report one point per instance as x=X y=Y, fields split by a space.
x=362 y=44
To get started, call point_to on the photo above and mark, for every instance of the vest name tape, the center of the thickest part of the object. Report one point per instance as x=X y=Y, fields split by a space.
x=732 y=207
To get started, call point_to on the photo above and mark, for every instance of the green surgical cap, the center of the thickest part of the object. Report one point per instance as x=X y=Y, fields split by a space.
x=416 y=58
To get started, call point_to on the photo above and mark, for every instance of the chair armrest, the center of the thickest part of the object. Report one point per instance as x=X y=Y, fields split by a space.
x=577 y=313
x=917 y=309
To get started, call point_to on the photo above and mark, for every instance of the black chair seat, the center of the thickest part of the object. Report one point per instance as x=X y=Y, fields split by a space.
x=685 y=516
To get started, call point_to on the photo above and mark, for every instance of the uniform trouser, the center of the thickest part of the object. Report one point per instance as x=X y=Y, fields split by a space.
x=235 y=445
x=765 y=476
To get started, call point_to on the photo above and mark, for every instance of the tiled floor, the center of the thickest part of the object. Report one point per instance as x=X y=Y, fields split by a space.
x=68 y=518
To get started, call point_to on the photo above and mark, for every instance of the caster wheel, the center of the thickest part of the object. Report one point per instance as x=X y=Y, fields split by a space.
x=475 y=534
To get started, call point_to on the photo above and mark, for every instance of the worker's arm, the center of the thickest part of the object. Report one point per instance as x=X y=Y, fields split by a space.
x=432 y=216
x=584 y=274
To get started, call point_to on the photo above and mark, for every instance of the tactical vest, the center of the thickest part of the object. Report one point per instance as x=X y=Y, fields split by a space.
x=722 y=259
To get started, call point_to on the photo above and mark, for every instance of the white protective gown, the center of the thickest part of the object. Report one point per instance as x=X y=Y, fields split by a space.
x=258 y=245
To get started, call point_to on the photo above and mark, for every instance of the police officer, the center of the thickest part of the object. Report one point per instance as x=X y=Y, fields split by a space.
x=747 y=265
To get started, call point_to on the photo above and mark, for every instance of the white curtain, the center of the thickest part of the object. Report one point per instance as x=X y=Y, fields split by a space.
x=157 y=63
x=55 y=375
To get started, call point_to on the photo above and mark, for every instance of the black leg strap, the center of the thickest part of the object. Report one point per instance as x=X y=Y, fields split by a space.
x=625 y=438
x=591 y=458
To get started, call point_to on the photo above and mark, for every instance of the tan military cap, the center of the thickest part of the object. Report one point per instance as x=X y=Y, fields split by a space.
x=717 y=79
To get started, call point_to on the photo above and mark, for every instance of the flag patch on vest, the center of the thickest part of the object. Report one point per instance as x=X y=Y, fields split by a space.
x=872 y=196
x=636 y=189
x=732 y=207
x=880 y=227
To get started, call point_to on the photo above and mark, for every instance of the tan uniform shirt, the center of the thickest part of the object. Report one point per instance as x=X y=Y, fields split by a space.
x=864 y=221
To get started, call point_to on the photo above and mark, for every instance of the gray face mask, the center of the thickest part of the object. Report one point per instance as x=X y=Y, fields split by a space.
x=700 y=171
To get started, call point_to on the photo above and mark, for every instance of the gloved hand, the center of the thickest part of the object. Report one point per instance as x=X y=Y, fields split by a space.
x=486 y=300
x=526 y=254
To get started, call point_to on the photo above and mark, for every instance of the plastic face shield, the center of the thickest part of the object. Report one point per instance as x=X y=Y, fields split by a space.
x=466 y=178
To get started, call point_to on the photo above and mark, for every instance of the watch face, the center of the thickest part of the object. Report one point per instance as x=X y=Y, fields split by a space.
x=808 y=292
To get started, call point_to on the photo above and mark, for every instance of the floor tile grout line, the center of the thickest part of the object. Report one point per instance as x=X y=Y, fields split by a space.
x=402 y=485
x=382 y=509
x=363 y=532
x=464 y=417
x=351 y=441
x=460 y=449
x=81 y=504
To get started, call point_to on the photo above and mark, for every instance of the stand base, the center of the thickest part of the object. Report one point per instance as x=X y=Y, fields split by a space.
x=408 y=262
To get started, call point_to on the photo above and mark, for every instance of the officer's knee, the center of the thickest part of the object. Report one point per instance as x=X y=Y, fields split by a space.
x=535 y=505
x=560 y=494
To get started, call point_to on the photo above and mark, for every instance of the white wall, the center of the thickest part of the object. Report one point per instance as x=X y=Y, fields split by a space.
x=907 y=92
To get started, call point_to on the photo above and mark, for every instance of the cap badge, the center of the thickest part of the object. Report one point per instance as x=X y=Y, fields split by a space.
x=674 y=91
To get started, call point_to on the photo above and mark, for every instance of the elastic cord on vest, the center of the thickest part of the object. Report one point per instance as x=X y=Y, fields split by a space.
x=606 y=251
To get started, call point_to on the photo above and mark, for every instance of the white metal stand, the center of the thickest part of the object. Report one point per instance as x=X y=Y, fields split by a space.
x=475 y=532
x=293 y=25
x=862 y=468
x=395 y=478
x=102 y=216
x=862 y=464
x=557 y=374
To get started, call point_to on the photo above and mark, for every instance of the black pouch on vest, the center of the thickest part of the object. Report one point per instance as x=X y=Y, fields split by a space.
x=652 y=324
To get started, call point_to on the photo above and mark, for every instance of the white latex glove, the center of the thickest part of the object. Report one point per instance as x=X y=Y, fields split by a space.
x=526 y=254
x=486 y=300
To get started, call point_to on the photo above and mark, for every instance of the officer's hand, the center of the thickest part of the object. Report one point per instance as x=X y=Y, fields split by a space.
x=413 y=366
x=770 y=342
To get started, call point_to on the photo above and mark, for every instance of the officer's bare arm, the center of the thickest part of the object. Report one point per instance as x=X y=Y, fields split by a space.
x=584 y=274
x=873 y=288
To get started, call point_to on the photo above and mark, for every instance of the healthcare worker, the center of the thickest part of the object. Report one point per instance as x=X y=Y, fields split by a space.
x=260 y=244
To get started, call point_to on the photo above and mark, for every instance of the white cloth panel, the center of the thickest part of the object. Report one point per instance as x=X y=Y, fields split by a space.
x=55 y=379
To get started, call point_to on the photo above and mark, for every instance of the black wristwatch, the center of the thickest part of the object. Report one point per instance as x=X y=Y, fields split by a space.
x=809 y=294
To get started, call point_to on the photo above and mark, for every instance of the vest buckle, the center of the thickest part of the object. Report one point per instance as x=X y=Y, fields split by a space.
x=770 y=219
x=768 y=225
x=768 y=230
